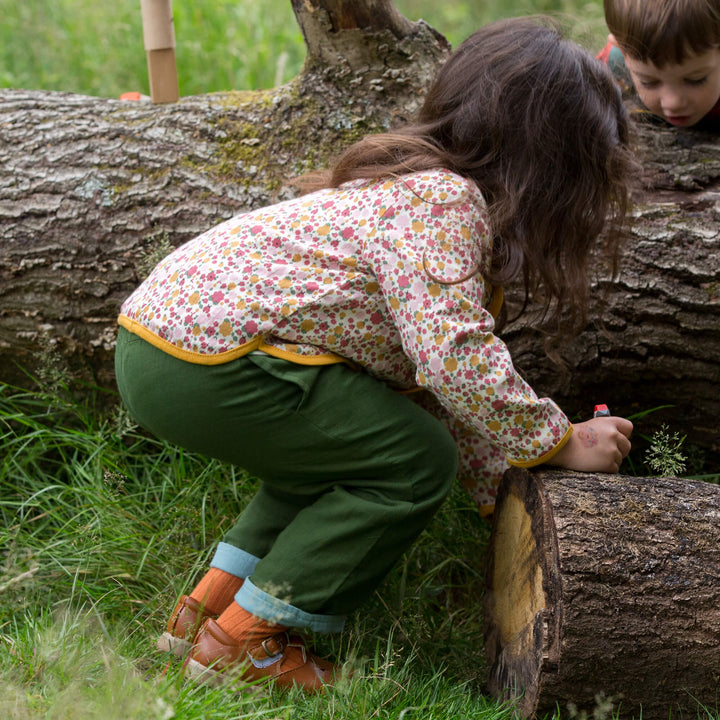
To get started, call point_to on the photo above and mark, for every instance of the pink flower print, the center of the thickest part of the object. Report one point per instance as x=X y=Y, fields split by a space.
x=217 y=297
x=217 y=313
x=404 y=281
x=251 y=327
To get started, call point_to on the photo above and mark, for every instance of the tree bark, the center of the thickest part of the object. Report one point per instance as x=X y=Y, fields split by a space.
x=325 y=25
x=603 y=589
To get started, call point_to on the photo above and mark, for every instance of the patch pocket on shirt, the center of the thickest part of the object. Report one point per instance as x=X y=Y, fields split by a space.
x=289 y=384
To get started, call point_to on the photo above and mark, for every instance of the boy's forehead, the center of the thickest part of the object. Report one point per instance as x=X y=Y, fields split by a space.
x=704 y=62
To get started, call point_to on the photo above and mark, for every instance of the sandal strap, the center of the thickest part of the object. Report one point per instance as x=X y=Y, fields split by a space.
x=270 y=647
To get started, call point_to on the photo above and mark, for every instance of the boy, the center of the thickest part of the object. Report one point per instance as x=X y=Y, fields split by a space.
x=668 y=53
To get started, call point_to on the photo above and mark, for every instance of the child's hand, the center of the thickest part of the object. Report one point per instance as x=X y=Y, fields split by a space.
x=597 y=445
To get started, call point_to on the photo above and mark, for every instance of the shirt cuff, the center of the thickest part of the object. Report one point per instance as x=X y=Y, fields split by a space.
x=545 y=456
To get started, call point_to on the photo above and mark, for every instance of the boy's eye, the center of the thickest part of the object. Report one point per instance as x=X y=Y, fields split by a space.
x=649 y=83
x=696 y=81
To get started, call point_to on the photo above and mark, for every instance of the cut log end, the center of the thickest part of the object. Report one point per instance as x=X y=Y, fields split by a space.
x=517 y=606
x=601 y=592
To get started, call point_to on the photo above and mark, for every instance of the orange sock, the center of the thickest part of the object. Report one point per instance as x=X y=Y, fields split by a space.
x=244 y=627
x=216 y=590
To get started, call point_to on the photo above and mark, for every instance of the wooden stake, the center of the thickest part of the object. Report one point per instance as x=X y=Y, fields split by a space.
x=159 y=38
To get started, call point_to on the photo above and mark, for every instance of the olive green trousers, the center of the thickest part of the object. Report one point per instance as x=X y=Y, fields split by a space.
x=351 y=471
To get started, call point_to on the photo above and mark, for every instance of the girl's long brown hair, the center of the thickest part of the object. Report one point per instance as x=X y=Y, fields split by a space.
x=539 y=125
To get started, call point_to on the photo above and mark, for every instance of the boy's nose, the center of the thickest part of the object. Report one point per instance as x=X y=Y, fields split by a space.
x=673 y=101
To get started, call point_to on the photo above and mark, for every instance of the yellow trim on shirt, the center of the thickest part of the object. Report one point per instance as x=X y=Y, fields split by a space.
x=325 y=359
x=546 y=456
x=229 y=355
x=496 y=301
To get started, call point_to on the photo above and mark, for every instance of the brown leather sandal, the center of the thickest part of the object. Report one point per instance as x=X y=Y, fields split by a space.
x=185 y=621
x=217 y=658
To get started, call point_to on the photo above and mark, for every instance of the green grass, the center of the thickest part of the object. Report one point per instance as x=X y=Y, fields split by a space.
x=96 y=48
x=102 y=527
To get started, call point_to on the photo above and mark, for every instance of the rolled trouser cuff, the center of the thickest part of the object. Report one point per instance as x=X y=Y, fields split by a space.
x=233 y=560
x=270 y=608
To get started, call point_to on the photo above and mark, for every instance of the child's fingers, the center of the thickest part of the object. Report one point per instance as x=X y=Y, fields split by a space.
x=624 y=445
x=619 y=436
x=624 y=426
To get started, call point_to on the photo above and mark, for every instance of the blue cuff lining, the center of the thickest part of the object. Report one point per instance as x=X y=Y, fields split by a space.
x=233 y=560
x=269 y=608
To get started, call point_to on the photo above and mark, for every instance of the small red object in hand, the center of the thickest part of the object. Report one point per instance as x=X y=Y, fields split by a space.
x=601 y=411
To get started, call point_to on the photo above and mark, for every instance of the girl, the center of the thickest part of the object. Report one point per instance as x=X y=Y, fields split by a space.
x=283 y=339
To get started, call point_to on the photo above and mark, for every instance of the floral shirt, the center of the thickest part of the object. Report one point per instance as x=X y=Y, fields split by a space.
x=385 y=274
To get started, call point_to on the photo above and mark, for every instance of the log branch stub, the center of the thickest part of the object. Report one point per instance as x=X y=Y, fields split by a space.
x=604 y=589
x=349 y=37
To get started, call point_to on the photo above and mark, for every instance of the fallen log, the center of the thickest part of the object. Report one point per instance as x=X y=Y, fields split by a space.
x=602 y=593
x=94 y=191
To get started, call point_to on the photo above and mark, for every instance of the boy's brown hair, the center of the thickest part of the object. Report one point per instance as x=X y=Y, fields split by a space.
x=664 y=31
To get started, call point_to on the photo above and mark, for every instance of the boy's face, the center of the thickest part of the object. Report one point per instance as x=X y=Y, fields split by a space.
x=680 y=93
